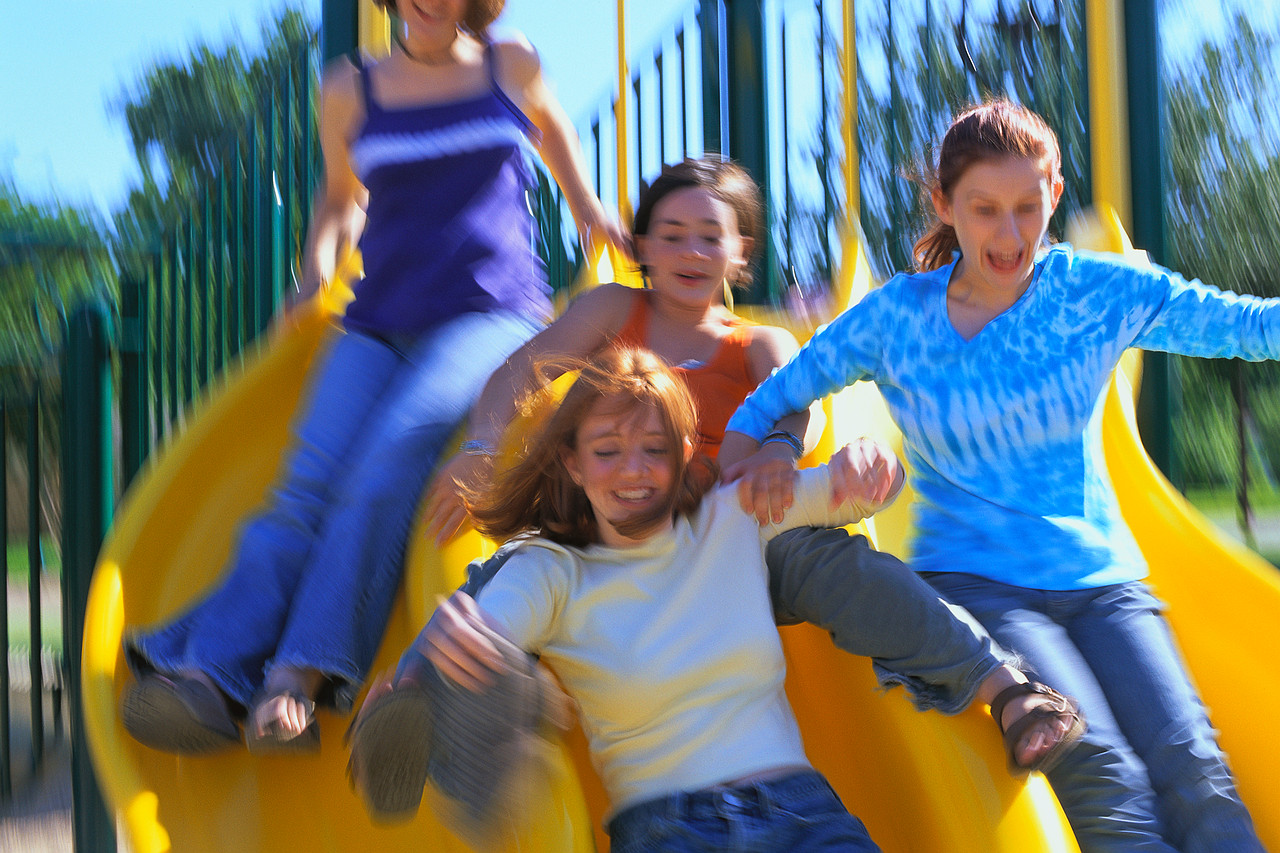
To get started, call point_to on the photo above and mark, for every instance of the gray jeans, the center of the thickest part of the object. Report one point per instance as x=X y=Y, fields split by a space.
x=872 y=604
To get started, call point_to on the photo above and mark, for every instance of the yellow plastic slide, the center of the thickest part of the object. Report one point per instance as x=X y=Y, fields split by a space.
x=921 y=782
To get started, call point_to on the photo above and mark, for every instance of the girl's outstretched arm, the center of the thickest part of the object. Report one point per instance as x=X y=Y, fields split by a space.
x=520 y=73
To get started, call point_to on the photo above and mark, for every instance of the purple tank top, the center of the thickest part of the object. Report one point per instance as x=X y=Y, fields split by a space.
x=449 y=230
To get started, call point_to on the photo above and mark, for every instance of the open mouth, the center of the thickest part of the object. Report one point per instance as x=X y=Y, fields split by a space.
x=1005 y=262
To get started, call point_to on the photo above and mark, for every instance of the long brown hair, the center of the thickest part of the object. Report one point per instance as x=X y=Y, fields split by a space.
x=989 y=131
x=724 y=180
x=535 y=494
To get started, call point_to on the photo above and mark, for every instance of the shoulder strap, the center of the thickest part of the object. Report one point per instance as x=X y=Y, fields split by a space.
x=491 y=69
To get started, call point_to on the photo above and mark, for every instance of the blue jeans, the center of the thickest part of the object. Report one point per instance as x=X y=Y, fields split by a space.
x=314 y=574
x=795 y=813
x=1149 y=774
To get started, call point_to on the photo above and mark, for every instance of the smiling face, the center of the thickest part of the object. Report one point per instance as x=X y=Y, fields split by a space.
x=623 y=460
x=431 y=20
x=692 y=247
x=1000 y=210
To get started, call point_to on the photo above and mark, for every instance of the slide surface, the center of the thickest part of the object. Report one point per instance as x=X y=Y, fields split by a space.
x=921 y=782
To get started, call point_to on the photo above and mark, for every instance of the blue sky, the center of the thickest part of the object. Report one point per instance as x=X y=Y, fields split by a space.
x=63 y=63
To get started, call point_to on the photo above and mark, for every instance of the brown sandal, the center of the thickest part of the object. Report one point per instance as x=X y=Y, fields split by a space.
x=1057 y=708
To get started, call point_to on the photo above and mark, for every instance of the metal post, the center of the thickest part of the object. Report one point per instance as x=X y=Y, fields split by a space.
x=339 y=28
x=749 y=114
x=711 y=26
x=1158 y=400
x=87 y=506
x=35 y=616
x=135 y=415
x=6 y=773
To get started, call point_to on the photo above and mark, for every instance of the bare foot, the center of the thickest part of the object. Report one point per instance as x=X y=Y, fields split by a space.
x=286 y=709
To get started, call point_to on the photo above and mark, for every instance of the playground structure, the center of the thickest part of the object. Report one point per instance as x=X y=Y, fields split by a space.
x=920 y=782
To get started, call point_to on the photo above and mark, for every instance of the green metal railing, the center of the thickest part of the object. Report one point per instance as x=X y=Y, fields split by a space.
x=32 y=666
x=218 y=275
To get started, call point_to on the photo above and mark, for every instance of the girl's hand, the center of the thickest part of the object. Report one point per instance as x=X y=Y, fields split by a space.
x=766 y=482
x=446 y=513
x=865 y=472
x=460 y=643
x=597 y=226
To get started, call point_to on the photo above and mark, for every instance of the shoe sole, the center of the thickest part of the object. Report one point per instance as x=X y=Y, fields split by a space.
x=155 y=716
x=390 y=753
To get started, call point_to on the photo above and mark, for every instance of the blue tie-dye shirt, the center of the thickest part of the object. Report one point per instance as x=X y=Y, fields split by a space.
x=1003 y=432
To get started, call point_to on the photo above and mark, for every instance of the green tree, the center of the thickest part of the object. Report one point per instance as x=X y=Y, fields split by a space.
x=1223 y=225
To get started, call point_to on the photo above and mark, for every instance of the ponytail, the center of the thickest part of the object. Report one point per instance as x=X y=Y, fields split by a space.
x=933 y=250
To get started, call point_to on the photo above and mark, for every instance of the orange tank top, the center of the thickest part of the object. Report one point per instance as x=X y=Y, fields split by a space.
x=718 y=385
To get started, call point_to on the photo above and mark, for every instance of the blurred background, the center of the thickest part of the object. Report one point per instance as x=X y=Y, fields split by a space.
x=119 y=118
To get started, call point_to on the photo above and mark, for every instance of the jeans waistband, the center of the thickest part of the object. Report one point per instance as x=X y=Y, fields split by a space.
x=750 y=798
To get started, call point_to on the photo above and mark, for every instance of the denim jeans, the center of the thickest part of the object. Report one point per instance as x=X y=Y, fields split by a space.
x=1149 y=774
x=312 y=579
x=800 y=813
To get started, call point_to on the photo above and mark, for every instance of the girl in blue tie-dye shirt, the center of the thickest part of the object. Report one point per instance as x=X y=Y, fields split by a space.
x=994 y=359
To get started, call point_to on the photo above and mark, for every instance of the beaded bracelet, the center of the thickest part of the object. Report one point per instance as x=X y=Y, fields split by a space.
x=788 y=438
x=477 y=447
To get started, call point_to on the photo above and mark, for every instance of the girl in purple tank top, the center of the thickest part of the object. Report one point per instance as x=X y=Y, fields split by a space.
x=426 y=168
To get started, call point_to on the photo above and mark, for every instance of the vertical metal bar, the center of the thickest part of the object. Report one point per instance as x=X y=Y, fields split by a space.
x=220 y=276
x=683 y=78
x=824 y=136
x=638 y=95
x=35 y=617
x=710 y=24
x=259 y=221
x=276 y=200
x=172 y=314
x=662 y=110
x=188 y=290
x=289 y=184
x=620 y=118
x=239 y=274
x=133 y=390
x=205 y=353
x=155 y=326
x=87 y=480
x=788 y=243
x=339 y=28
x=6 y=772
x=1157 y=401
x=852 y=160
x=748 y=116
x=595 y=141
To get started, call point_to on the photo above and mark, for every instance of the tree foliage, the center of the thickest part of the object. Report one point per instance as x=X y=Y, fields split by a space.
x=1222 y=221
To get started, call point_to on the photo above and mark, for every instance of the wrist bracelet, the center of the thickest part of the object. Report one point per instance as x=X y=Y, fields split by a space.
x=477 y=447
x=788 y=438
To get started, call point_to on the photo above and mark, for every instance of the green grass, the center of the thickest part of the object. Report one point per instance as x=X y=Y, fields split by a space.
x=1222 y=505
x=19 y=608
x=17 y=559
